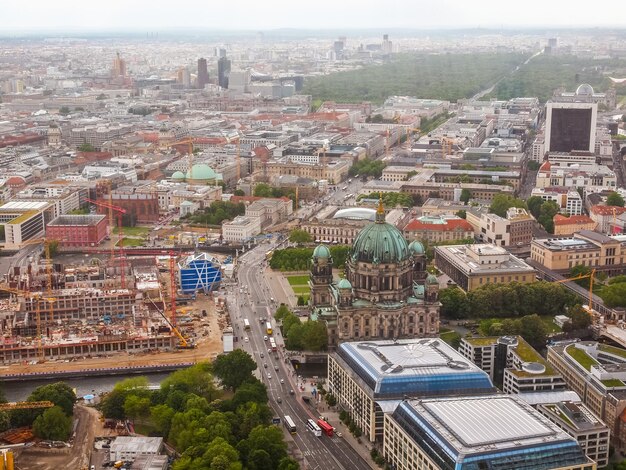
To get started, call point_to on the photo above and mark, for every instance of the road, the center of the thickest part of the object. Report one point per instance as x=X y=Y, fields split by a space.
x=253 y=302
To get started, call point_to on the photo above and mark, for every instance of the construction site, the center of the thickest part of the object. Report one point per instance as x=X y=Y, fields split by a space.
x=117 y=309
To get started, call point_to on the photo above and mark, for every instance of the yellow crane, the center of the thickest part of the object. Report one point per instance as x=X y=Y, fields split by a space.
x=25 y=405
x=591 y=276
x=409 y=132
x=46 y=243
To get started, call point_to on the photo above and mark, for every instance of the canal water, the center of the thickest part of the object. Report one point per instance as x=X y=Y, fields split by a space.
x=18 y=391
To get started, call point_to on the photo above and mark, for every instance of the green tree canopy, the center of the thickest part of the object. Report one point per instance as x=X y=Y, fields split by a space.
x=614 y=199
x=196 y=379
x=466 y=195
x=53 y=424
x=234 y=368
x=614 y=295
x=300 y=236
x=534 y=205
x=503 y=202
x=367 y=167
x=86 y=148
x=390 y=199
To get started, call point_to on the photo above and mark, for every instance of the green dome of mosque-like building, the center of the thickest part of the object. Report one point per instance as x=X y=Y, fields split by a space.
x=201 y=171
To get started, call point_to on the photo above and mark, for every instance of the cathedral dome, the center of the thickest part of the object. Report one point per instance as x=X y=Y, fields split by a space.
x=416 y=247
x=321 y=251
x=344 y=284
x=380 y=242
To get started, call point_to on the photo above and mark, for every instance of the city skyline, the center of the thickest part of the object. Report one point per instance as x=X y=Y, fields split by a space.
x=72 y=16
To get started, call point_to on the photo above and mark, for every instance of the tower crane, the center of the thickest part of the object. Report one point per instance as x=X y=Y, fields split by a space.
x=25 y=405
x=591 y=276
x=120 y=212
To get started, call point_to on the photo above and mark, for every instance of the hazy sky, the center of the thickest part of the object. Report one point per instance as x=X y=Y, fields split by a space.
x=312 y=14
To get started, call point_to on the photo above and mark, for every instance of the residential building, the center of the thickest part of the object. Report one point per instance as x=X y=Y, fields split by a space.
x=586 y=248
x=597 y=373
x=472 y=266
x=78 y=230
x=364 y=376
x=476 y=432
x=435 y=229
x=592 y=435
x=240 y=229
x=570 y=225
x=604 y=216
x=569 y=201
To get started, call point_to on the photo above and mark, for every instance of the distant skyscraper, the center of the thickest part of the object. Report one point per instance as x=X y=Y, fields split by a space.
x=119 y=66
x=387 y=45
x=203 y=73
x=223 y=72
x=183 y=77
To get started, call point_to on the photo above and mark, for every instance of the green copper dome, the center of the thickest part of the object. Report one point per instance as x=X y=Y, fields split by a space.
x=432 y=279
x=201 y=172
x=380 y=242
x=416 y=247
x=344 y=284
x=321 y=251
x=178 y=175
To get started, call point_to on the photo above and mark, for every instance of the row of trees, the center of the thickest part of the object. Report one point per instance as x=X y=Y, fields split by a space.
x=367 y=167
x=195 y=416
x=301 y=336
x=48 y=423
x=216 y=213
x=506 y=300
x=503 y=202
x=391 y=199
x=297 y=259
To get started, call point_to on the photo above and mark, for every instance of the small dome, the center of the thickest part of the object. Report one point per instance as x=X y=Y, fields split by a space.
x=178 y=175
x=418 y=291
x=416 y=247
x=344 y=284
x=321 y=251
x=201 y=171
x=584 y=90
x=432 y=279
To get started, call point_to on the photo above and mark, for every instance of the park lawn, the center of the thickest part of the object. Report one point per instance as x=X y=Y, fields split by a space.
x=131 y=242
x=450 y=336
x=134 y=231
x=548 y=321
x=299 y=280
x=301 y=289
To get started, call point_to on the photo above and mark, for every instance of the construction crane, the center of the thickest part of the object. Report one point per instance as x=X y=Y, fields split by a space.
x=25 y=405
x=591 y=276
x=120 y=235
x=410 y=131
x=189 y=142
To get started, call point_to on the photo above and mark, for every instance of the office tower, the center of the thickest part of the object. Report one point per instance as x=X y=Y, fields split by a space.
x=183 y=77
x=571 y=127
x=203 y=73
x=119 y=66
x=223 y=72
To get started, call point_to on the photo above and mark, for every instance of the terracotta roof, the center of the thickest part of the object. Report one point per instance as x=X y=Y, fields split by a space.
x=546 y=166
x=573 y=219
x=607 y=210
x=450 y=225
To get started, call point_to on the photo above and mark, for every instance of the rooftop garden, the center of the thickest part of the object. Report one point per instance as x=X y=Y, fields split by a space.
x=527 y=354
x=482 y=341
x=612 y=350
x=581 y=357
x=557 y=411
x=612 y=383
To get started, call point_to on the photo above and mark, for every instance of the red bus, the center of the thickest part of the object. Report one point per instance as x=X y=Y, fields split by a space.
x=325 y=427
x=272 y=344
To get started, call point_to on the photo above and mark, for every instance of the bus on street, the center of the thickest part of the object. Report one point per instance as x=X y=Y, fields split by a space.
x=273 y=344
x=325 y=427
x=268 y=327
x=246 y=324
x=289 y=424
x=314 y=428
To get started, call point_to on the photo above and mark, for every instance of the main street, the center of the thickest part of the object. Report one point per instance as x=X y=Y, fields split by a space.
x=252 y=299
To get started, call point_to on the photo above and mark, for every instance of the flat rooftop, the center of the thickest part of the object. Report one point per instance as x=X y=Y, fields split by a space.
x=24 y=206
x=459 y=255
x=417 y=367
x=74 y=220
x=491 y=427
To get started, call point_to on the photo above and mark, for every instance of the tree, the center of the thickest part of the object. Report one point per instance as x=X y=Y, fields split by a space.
x=299 y=236
x=161 y=417
x=86 y=148
x=64 y=110
x=263 y=190
x=614 y=295
x=267 y=438
x=58 y=393
x=196 y=379
x=533 y=330
x=614 y=199
x=53 y=424
x=234 y=368
x=546 y=215
x=301 y=301
x=331 y=400
x=136 y=407
x=112 y=405
x=315 y=336
x=533 y=165
x=580 y=270
x=534 y=205
x=579 y=318
x=239 y=192
x=503 y=202
x=251 y=391
x=287 y=463
x=461 y=213
x=454 y=303
x=281 y=312
x=5 y=421
x=466 y=195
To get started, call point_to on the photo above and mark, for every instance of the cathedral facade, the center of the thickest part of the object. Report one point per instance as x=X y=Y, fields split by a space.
x=386 y=292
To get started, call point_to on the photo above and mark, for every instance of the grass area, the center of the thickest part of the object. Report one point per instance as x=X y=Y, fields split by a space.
x=301 y=289
x=613 y=350
x=451 y=337
x=526 y=352
x=133 y=231
x=581 y=357
x=131 y=242
x=298 y=280
x=560 y=414
x=548 y=321
x=482 y=341
x=612 y=383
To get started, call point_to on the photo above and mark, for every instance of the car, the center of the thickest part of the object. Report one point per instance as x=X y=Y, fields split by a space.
x=282 y=381
x=265 y=338
x=246 y=339
x=276 y=368
x=279 y=400
x=262 y=355
x=269 y=376
x=93 y=467
x=338 y=434
x=291 y=392
x=265 y=366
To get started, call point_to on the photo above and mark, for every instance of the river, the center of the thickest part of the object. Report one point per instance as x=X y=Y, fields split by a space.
x=19 y=391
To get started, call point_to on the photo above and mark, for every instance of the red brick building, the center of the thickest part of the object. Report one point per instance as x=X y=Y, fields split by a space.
x=78 y=230
x=141 y=207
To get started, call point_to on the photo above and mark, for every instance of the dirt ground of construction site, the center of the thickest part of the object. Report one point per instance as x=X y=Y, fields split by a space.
x=88 y=422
